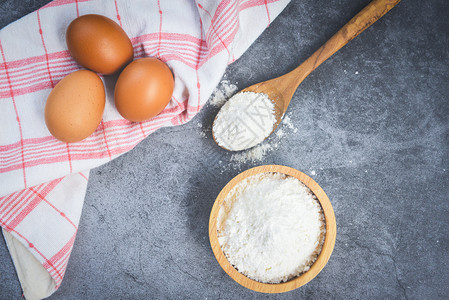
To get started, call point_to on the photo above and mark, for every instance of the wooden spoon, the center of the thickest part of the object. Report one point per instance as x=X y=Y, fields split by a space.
x=280 y=90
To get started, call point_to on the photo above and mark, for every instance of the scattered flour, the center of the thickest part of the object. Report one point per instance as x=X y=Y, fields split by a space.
x=203 y=132
x=288 y=122
x=254 y=154
x=259 y=152
x=222 y=93
x=244 y=121
x=271 y=227
x=280 y=133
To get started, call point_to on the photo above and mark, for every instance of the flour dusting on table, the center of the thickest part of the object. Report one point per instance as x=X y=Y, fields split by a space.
x=222 y=93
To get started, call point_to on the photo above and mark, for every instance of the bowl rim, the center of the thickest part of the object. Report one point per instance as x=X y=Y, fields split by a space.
x=317 y=266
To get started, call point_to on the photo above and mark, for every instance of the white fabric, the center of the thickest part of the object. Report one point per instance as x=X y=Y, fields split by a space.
x=43 y=181
x=35 y=280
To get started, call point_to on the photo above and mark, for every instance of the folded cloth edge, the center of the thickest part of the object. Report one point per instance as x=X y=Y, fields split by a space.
x=35 y=280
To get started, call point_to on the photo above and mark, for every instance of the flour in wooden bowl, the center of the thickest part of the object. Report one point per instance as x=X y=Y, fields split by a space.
x=271 y=227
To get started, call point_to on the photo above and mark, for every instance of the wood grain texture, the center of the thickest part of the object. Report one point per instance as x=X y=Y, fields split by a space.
x=281 y=89
x=329 y=240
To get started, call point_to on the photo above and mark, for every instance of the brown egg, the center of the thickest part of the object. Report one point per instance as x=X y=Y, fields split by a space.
x=143 y=89
x=75 y=106
x=99 y=44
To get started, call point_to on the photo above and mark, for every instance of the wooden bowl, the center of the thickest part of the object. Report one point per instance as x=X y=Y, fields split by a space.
x=318 y=265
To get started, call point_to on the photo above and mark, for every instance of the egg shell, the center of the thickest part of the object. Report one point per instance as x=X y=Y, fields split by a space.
x=99 y=44
x=143 y=89
x=75 y=106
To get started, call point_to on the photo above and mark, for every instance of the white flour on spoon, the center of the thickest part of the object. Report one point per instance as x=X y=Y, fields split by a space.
x=244 y=121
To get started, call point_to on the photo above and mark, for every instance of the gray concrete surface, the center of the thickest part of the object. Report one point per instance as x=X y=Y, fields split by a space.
x=373 y=126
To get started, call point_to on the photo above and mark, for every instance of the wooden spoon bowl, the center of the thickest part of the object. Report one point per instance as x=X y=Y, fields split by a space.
x=317 y=266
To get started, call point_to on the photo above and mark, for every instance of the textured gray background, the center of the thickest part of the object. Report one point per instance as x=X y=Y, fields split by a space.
x=377 y=141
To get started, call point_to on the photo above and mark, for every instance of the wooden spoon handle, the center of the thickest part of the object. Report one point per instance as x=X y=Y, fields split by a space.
x=365 y=18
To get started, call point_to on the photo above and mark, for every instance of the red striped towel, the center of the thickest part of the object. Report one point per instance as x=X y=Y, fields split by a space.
x=42 y=180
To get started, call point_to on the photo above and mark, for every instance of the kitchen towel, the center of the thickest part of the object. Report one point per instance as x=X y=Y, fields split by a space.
x=42 y=180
